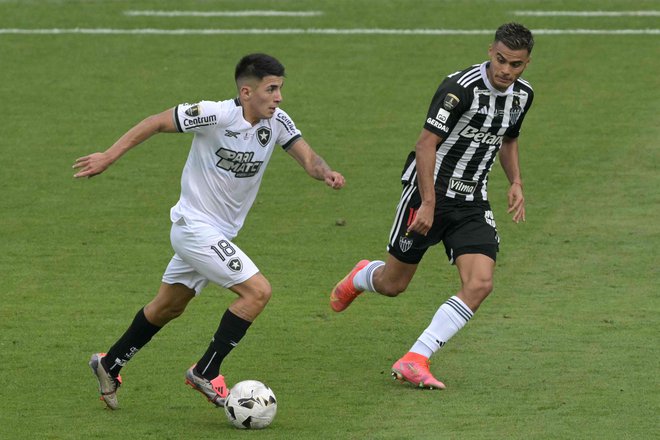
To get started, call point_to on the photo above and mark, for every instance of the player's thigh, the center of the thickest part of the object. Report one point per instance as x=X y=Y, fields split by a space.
x=211 y=254
x=173 y=295
x=471 y=230
x=475 y=268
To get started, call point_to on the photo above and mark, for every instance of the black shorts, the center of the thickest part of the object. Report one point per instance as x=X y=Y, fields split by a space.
x=463 y=227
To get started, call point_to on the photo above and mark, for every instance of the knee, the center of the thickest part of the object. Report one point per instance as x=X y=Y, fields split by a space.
x=161 y=313
x=392 y=281
x=391 y=289
x=261 y=294
x=175 y=310
x=479 y=288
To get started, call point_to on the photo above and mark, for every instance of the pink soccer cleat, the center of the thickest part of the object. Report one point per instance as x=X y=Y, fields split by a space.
x=344 y=292
x=108 y=384
x=214 y=390
x=414 y=368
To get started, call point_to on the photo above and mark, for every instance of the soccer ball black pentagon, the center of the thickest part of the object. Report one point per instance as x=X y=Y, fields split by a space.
x=250 y=405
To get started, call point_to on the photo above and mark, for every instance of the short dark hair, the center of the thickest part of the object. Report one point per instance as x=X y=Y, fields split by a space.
x=258 y=65
x=515 y=36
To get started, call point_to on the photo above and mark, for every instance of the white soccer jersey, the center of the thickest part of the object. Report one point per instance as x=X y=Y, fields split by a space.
x=226 y=162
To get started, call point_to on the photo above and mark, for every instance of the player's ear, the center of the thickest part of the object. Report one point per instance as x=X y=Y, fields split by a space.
x=244 y=91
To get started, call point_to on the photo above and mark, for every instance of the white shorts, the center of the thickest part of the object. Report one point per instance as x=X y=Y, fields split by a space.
x=204 y=254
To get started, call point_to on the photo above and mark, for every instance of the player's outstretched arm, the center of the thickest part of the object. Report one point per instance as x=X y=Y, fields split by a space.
x=96 y=163
x=511 y=166
x=314 y=164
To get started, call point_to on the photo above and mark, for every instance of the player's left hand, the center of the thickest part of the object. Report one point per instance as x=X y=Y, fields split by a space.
x=334 y=180
x=91 y=165
x=516 y=202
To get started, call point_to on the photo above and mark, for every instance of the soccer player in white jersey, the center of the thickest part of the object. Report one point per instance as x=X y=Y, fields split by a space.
x=232 y=144
x=474 y=114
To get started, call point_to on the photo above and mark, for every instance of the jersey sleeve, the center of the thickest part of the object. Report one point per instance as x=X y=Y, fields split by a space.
x=199 y=117
x=448 y=104
x=514 y=130
x=287 y=134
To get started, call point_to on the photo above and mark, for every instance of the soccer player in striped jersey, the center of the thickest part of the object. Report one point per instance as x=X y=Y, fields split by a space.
x=232 y=144
x=474 y=114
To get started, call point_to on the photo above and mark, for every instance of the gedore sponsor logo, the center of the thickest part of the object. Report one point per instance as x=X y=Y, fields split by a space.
x=437 y=124
x=199 y=121
x=480 y=136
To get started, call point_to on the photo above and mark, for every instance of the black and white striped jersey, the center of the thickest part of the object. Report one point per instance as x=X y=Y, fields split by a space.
x=471 y=117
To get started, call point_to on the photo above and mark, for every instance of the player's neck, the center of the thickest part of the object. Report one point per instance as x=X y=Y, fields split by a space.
x=250 y=118
x=489 y=75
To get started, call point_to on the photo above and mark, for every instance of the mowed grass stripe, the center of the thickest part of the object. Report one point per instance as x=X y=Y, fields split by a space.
x=312 y=31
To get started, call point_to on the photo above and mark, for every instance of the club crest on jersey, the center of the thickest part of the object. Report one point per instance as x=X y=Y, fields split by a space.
x=405 y=243
x=515 y=112
x=193 y=110
x=450 y=102
x=235 y=265
x=263 y=136
x=514 y=115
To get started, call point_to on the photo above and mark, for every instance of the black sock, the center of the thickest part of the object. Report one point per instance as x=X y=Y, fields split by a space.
x=138 y=334
x=229 y=333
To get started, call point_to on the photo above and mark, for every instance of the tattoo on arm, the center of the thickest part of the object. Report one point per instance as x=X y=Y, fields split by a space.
x=318 y=168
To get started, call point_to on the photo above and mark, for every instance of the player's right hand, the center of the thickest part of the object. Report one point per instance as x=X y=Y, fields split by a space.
x=423 y=220
x=92 y=164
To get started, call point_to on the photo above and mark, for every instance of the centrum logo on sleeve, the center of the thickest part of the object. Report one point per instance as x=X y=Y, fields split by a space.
x=200 y=121
x=288 y=123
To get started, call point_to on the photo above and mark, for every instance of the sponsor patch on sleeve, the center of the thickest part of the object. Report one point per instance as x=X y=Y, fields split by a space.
x=450 y=102
x=287 y=123
x=439 y=125
x=443 y=115
x=193 y=110
x=193 y=117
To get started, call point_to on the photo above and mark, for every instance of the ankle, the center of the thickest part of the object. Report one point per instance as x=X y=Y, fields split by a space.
x=414 y=357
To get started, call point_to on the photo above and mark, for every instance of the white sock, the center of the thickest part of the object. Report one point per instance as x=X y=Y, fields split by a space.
x=363 y=280
x=449 y=319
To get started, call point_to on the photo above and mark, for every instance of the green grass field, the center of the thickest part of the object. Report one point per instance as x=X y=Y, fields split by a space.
x=566 y=347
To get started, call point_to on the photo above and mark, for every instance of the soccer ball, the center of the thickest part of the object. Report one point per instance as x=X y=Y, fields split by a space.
x=250 y=405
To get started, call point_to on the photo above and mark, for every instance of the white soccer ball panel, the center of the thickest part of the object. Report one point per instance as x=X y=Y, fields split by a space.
x=250 y=405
